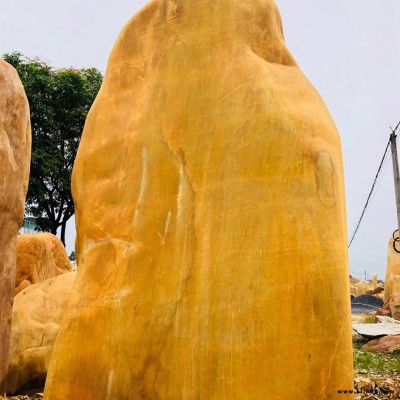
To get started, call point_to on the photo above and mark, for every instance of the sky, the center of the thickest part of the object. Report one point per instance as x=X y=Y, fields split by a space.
x=349 y=50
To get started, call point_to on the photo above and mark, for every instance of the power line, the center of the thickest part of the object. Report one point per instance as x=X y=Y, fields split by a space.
x=373 y=186
x=356 y=273
x=381 y=176
x=370 y=194
x=365 y=274
x=395 y=129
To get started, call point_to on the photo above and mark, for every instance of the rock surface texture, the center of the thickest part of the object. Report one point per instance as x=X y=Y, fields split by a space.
x=392 y=269
x=366 y=303
x=39 y=257
x=386 y=326
x=37 y=315
x=391 y=307
x=384 y=344
x=211 y=219
x=15 y=146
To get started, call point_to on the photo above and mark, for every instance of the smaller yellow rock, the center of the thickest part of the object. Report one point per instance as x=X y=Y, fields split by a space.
x=38 y=311
x=39 y=257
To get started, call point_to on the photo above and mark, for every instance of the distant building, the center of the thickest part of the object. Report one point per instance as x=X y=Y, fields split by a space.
x=29 y=226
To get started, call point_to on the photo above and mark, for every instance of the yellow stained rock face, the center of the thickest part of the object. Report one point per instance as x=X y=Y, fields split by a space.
x=392 y=269
x=211 y=219
x=39 y=257
x=15 y=146
x=37 y=315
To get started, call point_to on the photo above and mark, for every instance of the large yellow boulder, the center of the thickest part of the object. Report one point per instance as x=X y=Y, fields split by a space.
x=392 y=278
x=39 y=257
x=211 y=222
x=15 y=146
x=37 y=315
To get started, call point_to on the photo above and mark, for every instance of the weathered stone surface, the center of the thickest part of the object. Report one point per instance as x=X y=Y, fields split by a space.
x=394 y=305
x=391 y=307
x=392 y=269
x=384 y=312
x=365 y=303
x=385 y=344
x=209 y=191
x=39 y=257
x=385 y=326
x=36 y=318
x=395 y=284
x=379 y=290
x=15 y=144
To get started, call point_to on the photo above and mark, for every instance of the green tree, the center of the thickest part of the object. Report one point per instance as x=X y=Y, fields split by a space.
x=72 y=256
x=59 y=101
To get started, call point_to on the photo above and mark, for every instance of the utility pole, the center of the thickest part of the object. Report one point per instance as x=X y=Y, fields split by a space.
x=396 y=175
x=365 y=276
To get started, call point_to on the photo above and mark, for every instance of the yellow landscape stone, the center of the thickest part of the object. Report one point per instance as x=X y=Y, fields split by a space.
x=37 y=315
x=210 y=210
x=15 y=146
x=353 y=286
x=362 y=287
x=392 y=269
x=39 y=257
x=374 y=281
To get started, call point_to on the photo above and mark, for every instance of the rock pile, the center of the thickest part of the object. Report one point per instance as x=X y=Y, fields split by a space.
x=37 y=396
x=358 y=287
x=375 y=386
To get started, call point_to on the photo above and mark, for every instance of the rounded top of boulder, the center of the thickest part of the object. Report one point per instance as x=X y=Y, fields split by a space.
x=44 y=237
x=36 y=244
x=229 y=25
x=7 y=71
x=12 y=89
x=15 y=145
x=39 y=257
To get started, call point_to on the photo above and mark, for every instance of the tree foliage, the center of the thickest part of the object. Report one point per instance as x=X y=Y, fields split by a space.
x=72 y=256
x=59 y=101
